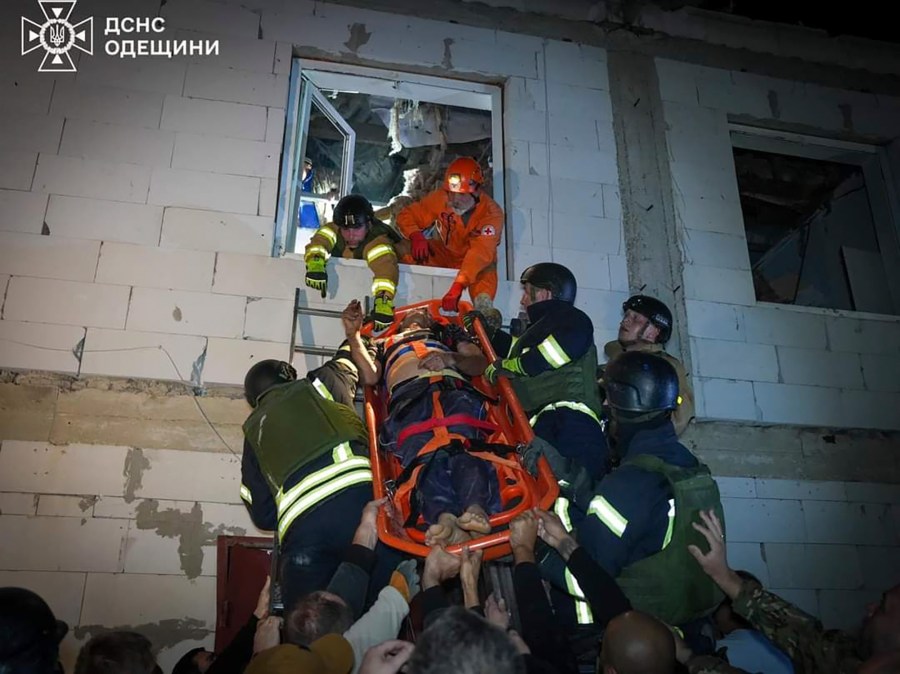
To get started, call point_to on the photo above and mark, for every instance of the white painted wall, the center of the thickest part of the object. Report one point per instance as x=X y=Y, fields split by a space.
x=756 y=361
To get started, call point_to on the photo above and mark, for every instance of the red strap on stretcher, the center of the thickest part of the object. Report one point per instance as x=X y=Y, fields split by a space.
x=443 y=422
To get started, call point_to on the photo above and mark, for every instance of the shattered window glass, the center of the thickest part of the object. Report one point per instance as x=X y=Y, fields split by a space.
x=811 y=232
x=401 y=150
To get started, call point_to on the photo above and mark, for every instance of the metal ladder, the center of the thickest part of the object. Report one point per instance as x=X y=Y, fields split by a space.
x=302 y=310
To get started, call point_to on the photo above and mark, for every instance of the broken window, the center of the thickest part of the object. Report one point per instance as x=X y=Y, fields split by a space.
x=819 y=226
x=387 y=136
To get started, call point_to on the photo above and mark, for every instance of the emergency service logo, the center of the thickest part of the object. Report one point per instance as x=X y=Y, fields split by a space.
x=57 y=36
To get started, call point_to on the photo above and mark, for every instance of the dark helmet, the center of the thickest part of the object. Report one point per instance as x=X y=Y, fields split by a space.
x=655 y=311
x=186 y=664
x=354 y=211
x=264 y=375
x=29 y=633
x=638 y=381
x=553 y=277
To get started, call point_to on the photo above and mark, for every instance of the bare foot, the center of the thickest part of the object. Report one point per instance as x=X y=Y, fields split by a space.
x=474 y=520
x=445 y=532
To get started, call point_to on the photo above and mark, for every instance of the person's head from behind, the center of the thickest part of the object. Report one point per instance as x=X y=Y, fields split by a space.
x=460 y=642
x=195 y=661
x=117 y=653
x=880 y=633
x=314 y=616
x=725 y=618
x=418 y=319
x=640 y=388
x=645 y=320
x=547 y=281
x=29 y=633
x=636 y=643
x=265 y=375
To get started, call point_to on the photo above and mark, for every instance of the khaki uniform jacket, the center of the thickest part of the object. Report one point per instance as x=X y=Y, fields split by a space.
x=378 y=249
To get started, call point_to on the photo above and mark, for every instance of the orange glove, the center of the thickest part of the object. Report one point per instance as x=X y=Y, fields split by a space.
x=451 y=299
x=419 y=247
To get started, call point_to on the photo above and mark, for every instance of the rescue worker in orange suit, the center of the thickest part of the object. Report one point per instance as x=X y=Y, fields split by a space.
x=458 y=226
x=358 y=234
x=425 y=368
x=646 y=326
x=305 y=469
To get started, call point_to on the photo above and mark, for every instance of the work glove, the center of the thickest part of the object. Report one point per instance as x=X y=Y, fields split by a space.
x=537 y=448
x=574 y=482
x=505 y=367
x=490 y=321
x=405 y=579
x=383 y=314
x=451 y=299
x=469 y=321
x=316 y=278
x=418 y=247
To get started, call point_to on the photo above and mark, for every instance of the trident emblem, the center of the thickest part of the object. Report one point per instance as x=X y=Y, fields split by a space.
x=57 y=36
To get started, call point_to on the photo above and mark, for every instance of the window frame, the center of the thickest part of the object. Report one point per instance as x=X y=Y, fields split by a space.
x=883 y=199
x=399 y=84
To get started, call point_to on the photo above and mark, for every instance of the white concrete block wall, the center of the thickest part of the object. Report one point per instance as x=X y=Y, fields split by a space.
x=756 y=361
x=171 y=167
x=99 y=103
x=134 y=537
x=76 y=177
x=22 y=211
x=231 y=120
x=831 y=547
x=117 y=143
x=129 y=353
x=102 y=220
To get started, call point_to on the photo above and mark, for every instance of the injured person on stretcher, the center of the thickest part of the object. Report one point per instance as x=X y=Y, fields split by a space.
x=425 y=367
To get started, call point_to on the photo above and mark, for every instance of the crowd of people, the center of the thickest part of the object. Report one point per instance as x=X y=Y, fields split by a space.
x=627 y=573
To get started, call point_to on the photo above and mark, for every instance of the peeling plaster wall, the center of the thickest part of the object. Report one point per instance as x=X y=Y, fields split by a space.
x=119 y=537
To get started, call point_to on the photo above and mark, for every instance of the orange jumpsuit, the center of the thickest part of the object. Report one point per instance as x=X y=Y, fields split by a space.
x=467 y=243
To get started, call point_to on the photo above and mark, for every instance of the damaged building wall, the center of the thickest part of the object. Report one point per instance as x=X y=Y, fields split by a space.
x=123 y=537
x=757 y=361
x=173 y=164
x=137 y=201
x=119 y=537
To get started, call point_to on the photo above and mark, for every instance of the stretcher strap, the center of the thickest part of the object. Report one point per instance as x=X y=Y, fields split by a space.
x=452 y=420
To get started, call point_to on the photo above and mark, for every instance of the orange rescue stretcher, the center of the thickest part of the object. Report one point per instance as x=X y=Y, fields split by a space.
x=519 y=490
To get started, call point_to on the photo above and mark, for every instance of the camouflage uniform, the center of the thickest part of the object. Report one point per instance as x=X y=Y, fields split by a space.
x=812 y=649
